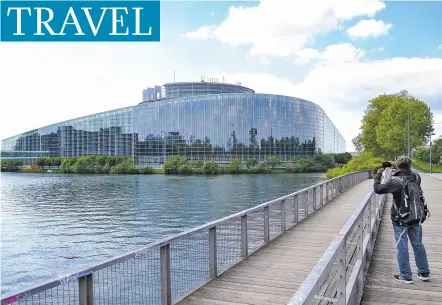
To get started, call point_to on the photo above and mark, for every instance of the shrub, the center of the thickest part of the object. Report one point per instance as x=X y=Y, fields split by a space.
x=235 y=167
x=259 y=170
x=125 y=167
x=250 y=163
x=172 y=164
x=365 y=161
x=197 y=164
x=328 y=160
x=210 y=168
x=273 y=161
x=343 y=158
x=146 y=170
x=309 y=166
x=185 y=169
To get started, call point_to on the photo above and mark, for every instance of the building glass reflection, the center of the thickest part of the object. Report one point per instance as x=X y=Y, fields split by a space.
x=218 y=127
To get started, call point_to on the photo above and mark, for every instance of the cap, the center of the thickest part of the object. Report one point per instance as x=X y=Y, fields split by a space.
x=403 y=162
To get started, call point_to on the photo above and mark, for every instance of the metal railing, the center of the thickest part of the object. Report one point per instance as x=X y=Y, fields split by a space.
x=339 y=276
x=167 y=271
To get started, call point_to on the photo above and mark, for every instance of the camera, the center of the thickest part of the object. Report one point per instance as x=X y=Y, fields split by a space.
x=386 y=164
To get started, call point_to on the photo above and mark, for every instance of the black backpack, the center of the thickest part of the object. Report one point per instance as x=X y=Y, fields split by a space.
x=413 y=209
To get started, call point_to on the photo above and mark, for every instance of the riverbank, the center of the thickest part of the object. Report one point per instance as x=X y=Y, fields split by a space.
x=160 y=171
x=425 y=167
x=181 y=166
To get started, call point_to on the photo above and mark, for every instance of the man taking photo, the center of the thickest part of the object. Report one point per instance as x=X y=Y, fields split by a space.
x=407 y=214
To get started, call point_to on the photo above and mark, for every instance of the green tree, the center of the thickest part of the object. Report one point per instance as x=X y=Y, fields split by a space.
x=57 y=162
x=235 y=167
x=18 y=163
x=422 y=154
x=385 y=125
x=272 y=161
x=172 y=164
x=365 y=161
x=437 y=150
x=343 y=158
x=41 y=162
x=210 y=168
x=48 y=162
x=327 y=160
x=185 y=169
x=251 y=163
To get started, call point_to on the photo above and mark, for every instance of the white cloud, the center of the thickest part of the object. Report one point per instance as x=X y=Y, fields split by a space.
x=204 y=32
x=57 y=82
x=337 y=53
x=344 y=89
x=369 y=28
x=306 y=56
x=264 y=61
x=281 y=28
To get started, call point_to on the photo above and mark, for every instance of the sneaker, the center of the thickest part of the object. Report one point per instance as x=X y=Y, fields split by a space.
x=401 y=279
x=423 y=276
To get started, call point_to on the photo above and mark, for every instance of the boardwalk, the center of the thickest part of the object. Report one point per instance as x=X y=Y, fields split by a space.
x=273 y=274
x=380 y=288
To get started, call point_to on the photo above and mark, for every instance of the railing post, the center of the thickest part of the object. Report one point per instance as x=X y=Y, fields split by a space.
x=166 y=291
x=86 y=290
x=314 y=198
x=283 y=216
x=327 y=192
x=266 y=225
x=306 y=203
x=341 y=295
x=244 y=238
x=212 y=253
x=340 y=186
x=370 y=231
x=296 y=209
x=361 y=256
x=321 y=190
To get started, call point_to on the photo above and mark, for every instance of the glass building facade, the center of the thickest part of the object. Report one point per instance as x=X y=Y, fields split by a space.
x=218 y=127
x=174 y=90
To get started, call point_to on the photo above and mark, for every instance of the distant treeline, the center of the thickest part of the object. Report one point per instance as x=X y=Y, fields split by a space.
x=321 y=163
x=11 y=165
x=95 y=165
x=181 y=166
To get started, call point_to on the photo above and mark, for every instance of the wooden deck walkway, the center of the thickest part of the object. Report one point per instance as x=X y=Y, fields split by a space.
x=273 y=274
x=380 y=287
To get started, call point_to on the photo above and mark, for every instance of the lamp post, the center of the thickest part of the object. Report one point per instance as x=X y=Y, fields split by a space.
x=409 y=144
x=431 y=145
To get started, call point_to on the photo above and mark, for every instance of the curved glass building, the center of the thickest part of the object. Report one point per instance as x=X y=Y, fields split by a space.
x=173 y=90
x=217 y=126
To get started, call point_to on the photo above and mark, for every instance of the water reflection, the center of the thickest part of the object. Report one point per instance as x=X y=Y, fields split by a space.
x=51 y=223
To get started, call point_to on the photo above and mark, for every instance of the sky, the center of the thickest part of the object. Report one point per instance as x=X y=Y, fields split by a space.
x=338 y=54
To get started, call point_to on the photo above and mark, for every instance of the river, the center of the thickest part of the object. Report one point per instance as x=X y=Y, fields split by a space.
x=51 y=223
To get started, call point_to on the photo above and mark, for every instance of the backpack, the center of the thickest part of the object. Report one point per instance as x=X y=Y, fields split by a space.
x=413 y=209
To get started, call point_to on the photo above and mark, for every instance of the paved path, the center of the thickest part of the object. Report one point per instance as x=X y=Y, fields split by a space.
x=273 y=274
x=380 y=288
x=439 y=176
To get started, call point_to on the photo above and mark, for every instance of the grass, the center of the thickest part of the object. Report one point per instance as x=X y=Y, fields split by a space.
x=425 y=167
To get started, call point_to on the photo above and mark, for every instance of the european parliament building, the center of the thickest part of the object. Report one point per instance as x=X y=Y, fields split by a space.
x=197 y=120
